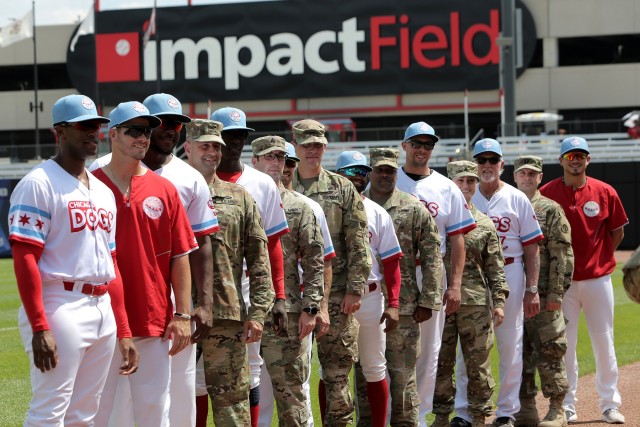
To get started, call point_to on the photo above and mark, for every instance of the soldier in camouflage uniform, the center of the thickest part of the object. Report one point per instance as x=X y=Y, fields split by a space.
x=418 y=236
x=241 y=237
x=472 y=323
x=287 y=355
x=544 y=335
x=338 y=349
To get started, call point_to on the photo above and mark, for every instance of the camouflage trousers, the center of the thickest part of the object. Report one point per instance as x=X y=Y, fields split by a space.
x=337 y=351
x=287 y=360
x=226 y=370
x=403 y=348
x=544 y=346
x=474 y=326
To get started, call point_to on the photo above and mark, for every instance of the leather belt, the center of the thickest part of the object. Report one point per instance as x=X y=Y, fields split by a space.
x=371 y=287
x=509 y=260
x=87 y=288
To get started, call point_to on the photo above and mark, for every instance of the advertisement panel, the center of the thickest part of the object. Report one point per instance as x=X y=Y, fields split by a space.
x=295 y=49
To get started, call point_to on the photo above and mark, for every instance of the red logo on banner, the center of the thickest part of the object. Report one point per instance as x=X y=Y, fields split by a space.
x=118 y=57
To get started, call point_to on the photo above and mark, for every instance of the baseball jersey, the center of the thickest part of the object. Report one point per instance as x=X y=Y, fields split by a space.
x=301 y=246
x=556 y=254
x=192 y=188
x=483 y=265
x=513 y=216
x=593 y=210
x=347 y=221
x=329 y=252
x=444 y=201
x=74 y=225
x=382 y=238
x=152 y=229
x=417 y=234
x=241 y=236
x=265 y=192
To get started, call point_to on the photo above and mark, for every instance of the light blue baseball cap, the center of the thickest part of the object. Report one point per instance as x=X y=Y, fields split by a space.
x=291 y=152
x=126 y=111
x=420 y=128
x=574 y=143
x=348 y=159
x=487 y=145
x=163 y=104
x=75 y=108
x=231 y=118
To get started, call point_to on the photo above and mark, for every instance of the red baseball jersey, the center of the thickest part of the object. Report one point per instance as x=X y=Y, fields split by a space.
x=593 y=211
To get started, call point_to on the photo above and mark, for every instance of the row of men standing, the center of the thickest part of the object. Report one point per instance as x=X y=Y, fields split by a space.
x=208 y=143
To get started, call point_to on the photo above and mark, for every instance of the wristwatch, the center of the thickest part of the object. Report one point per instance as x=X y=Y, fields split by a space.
x=312 y=310
x=533 y=289
x=182 y=316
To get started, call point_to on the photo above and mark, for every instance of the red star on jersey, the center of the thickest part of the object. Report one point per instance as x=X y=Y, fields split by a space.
x=11 y=220
x=24 y=219
x=39 y=224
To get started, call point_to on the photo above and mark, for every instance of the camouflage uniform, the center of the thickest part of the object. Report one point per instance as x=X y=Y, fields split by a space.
x=347 y=220
x=241 y=236
x=418 y=237
x=544 y=335
x=287 y=357
x=472 y=323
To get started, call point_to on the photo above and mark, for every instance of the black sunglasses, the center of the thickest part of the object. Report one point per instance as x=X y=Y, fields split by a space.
x=416 y=144
x=354 y=171
x=136 y=131
x=483 y=160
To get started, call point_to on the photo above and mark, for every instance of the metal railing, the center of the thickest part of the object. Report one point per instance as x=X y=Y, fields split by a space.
x=605 y=148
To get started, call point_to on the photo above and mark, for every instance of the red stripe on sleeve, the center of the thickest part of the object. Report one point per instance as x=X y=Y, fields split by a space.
x=25 y=264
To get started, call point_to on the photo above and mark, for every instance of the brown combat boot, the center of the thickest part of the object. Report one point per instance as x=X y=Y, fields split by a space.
x=528 y=414
x=478 y=421
x=441 y=420
x=555 y=417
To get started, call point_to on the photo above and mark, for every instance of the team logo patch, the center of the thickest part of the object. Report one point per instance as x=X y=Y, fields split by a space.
x=591 y=209
x=575 y=142
x=153 y=207
x=424 y=128
x=173 y=103
x=235 y=116
x=87 y=103
x=486 y=144
x=139 y=108
x=357 y=156
x=211 y=205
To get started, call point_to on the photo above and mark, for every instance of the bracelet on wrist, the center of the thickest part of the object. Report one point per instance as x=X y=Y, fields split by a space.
x=181 y=316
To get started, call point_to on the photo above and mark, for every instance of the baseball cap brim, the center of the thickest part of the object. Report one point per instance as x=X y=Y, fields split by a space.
x=529 y=166
x=384 y=162
x=359 y=165
x=232 y=127
x=210 y=138
x=461 y=174
x=179 y=117
x=270 y=150
x=313 y=139
x=87 y=117
x=154 y=121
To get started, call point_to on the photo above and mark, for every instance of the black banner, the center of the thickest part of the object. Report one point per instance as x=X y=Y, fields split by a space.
x=295 y=49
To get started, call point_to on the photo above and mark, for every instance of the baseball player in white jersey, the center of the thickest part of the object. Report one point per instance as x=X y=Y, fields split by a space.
x=60 y=212
x=266 y=392
x=447 y=206
x=519 y=232
x=194 y=195
x=384 y=246
x=267 y=197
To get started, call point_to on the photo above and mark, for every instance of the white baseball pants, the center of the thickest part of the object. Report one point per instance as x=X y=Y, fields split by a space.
x=595 y=296
x=85 y=332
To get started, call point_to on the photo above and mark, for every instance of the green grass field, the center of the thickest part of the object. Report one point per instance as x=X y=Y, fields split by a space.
x=15 y=390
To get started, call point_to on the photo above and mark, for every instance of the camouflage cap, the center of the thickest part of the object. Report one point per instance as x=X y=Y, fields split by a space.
x=384 y=156
x=267 y=144
x=528 y=162
x=462 y=168
x=308 y=131
x=202 y=130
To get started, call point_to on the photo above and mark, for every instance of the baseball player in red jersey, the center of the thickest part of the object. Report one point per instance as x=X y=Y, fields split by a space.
x=267 y=197
x=372 y=314
x=519 y=233
x=60 y=212
x=154 y=232
x=597 y=220
x=194 y=195
x=446 y=204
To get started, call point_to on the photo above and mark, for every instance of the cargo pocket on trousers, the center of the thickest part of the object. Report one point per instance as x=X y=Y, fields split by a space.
x=552 y=337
